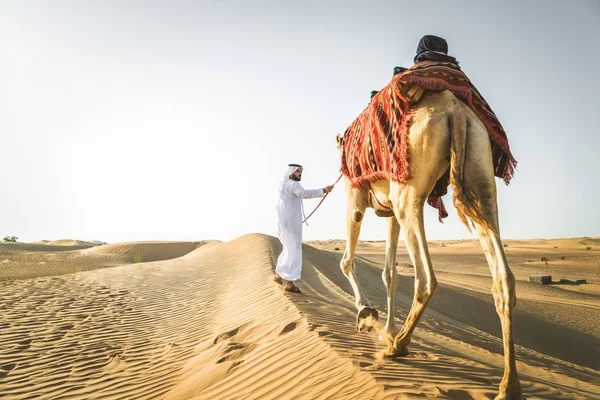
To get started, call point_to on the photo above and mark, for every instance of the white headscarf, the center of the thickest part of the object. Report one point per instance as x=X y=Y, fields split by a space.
x=286 y=176
x=290 y=170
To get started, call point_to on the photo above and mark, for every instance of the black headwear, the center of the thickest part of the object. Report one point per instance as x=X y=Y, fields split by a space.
x=433 y=48
x=295 y=165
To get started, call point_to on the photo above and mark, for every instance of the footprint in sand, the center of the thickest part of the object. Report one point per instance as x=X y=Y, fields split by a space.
x=5 y=369
x=289 y=327
x=115 y=364
x=169 y=346
x=367 y=366
x=325 y=333
x=235 y=365
x=235 y=346
x=235 y=351
x=65 y=327
x=24 y=344
x=226 y=335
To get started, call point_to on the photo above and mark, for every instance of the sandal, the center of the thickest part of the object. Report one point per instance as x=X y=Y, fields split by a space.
x=278 y=279
x=293 y=289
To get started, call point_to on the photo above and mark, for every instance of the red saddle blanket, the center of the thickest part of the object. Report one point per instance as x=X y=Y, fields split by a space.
x=375 y=144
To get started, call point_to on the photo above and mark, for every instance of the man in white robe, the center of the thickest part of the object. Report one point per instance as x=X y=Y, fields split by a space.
x=290 y=213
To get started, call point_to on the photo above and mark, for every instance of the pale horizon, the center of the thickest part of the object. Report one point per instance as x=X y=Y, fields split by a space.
x=174 y=121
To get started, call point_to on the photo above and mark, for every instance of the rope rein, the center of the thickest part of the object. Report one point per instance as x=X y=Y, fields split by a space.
x=309 y=215
x=372 y=193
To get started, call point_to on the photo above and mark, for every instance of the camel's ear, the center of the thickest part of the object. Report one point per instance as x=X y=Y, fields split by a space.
x=339 y=140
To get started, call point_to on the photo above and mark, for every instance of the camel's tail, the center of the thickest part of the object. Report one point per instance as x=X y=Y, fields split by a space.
x=465 y=199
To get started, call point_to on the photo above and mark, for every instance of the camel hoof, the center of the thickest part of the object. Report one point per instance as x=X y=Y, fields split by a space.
x=507 y=396
x=392 y=352
x=510 y=390
x=366 y=319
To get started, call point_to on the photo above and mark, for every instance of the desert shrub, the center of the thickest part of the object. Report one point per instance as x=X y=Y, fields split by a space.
x=337 y=248
x=10 y=239
x=588 y=248
x=545 y=259
x=137 y=258
x=505 y=245
x=562 y=257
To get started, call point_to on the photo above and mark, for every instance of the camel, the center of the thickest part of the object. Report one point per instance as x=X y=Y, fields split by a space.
x=444 y=134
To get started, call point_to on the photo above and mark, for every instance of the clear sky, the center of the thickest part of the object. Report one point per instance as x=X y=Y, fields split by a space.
x=173 y=120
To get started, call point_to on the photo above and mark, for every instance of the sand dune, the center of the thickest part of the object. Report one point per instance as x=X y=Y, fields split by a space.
x=30 y=260
x=65 y=242
x=147 y=251
x=211 y=324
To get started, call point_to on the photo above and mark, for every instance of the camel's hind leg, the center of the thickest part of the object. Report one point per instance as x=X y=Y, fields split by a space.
x=357 y=203
x=479 y=177
x=504 y=293
x=390 y=277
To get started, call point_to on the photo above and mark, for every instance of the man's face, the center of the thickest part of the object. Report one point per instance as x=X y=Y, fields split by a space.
x=297 y=176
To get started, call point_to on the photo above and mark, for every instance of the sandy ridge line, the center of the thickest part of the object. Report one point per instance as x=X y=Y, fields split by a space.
x=520 y=294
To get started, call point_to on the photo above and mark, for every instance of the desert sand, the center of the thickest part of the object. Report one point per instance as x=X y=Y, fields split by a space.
x=203 y=320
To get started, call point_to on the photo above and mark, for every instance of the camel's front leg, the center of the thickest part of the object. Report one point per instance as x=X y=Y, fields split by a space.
x=390 y=279
x=367 y=316
x=408 y=207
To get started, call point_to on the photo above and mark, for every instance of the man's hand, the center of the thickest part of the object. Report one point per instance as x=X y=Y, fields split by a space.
x=328 y=189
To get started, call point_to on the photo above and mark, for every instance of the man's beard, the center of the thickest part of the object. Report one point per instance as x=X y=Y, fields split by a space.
x=296 y=178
